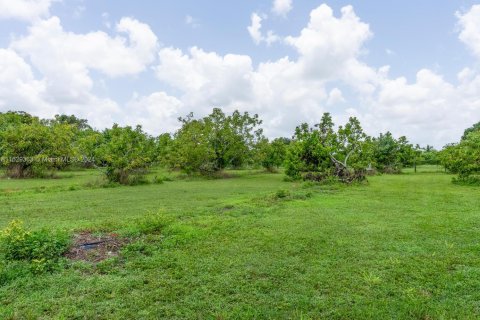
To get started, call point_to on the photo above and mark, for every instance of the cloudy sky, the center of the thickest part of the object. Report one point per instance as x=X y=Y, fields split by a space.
x=411 y=67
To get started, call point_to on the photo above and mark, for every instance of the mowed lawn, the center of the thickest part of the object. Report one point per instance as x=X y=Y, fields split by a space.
x=254 y=246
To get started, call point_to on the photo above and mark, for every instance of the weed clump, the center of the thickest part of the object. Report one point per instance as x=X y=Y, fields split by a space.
x=42 y=249
x=281 y=194
x=472 y=180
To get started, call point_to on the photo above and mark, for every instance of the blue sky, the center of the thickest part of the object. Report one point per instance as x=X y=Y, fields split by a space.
x=132 y=62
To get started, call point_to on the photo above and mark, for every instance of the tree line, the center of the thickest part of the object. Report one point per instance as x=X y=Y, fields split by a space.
x=463 y=158
x=33 y=147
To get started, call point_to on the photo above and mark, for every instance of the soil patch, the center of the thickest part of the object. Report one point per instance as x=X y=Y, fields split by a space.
x=95 y=248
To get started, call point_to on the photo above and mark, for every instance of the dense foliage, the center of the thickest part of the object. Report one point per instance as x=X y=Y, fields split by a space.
x=321 y=152
x=125 y=151
x=33 y=147
x=271 y=154
x=464 y=158
x=29 y=148
x=215 y=142
x=391 y=154
x=473 y=128
x=41 y=248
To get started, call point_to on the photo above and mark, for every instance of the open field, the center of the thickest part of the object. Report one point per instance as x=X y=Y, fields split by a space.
x=254 y=246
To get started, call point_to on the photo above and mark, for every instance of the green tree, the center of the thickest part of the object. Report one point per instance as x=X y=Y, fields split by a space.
x=192 y=151
x=215 y=142
x=163 y=148
x=30 y=148
x=450 y=158
x=86 y=143
x=80 y=124
x=429 y=155
x=475 y=127
x=390 y=154
x=15 y=118
x=271 y=155
x=321 y=152
x=125 y=152
x=464 y=158
x=85 y=138
x=62 y=147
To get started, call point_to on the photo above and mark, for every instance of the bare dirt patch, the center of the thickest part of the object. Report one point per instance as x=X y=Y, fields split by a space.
x=95 y=248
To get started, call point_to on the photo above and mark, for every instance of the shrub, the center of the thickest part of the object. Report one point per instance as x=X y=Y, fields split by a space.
x=28 y=149
x=472 y=180
x=464 y=158
x=40 y=248
x=321 y=152
x=150 y=224
x=158 y=180
x=126 y=152
x=271 y=155
x=208 y=145
x=280 y=194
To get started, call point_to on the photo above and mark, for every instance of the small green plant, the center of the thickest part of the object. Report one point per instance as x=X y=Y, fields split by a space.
x=473 y=180
x=290 y=179
x=158 y=180
x=281 y=194
x=41 y=248
x=151 y=224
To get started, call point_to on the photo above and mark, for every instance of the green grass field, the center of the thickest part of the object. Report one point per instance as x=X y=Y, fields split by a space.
x=254 y=246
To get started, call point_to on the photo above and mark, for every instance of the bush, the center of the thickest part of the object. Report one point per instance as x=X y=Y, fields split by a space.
x=126 y=152
x=471 y=180
x=40 y=248
x=320 y=152
x=158 y=180
x=211 y=144
x=150 y=224
x=161 y=179
x=280 y=194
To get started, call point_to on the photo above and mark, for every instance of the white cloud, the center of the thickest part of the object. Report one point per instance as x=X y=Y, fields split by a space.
x=65 y=59
x=286 y=92
x=50 y=47
x=25 y=9
x=282 y=7
x=206 y=76
x=49 y=71
x=157 y=112
x=255 y=28
x=390 y=52
x=106 y=20
x=256 y=33
x=18 y=86
x=335 y=97
x=191 y=21
x=275 y=90
x=328 y=43
x=78 y=12
x=469 y=23
x=20 y=90
x=428 y=111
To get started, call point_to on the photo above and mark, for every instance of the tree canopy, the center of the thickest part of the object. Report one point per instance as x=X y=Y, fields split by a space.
x=217 y=141
x=125 y=151
x=322 y=152
x=29 y=146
